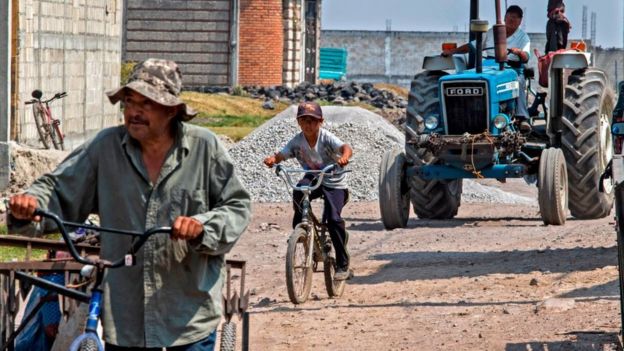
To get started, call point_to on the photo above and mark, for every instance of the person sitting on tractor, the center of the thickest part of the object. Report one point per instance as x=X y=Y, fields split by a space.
x=518 y=46
x=315 y=148
x=557 y=27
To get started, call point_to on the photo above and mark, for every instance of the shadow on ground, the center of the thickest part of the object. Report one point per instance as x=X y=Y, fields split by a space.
x=422 y=265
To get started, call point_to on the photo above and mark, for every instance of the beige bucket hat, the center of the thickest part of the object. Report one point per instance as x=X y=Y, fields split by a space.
x=158 y=80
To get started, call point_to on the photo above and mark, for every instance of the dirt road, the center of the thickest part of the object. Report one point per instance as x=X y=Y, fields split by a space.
x=494 y=278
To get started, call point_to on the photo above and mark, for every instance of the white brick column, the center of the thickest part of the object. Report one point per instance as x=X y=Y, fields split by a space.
x=5 y=92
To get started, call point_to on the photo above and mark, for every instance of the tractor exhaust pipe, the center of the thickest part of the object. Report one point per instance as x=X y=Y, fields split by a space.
x=500 y=38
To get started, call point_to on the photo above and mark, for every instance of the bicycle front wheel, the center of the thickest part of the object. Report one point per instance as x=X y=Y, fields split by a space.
x=42 y=126
x=298 y=269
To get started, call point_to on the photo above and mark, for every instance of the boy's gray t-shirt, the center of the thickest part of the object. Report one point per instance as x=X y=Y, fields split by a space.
x=325 y=152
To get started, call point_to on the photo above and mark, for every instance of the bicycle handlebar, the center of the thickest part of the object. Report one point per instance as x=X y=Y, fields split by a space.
x=143 y=236
x=328 y=170
x=56 y=96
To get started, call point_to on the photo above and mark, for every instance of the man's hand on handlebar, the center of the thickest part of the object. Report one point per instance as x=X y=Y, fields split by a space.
x=186 y=228
x=23 y=207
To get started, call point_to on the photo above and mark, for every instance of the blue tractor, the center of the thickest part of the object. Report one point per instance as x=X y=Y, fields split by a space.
x=462 y=125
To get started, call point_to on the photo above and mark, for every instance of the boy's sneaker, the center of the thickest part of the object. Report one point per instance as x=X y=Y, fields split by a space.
x=343 y=274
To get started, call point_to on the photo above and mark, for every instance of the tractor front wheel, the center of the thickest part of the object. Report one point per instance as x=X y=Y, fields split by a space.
x=553 y=187
x=394 y=196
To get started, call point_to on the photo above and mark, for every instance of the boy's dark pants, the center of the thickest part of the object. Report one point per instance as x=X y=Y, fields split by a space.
x=334 y=202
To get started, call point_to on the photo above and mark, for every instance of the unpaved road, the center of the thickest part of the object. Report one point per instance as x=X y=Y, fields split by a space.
x=494 y=278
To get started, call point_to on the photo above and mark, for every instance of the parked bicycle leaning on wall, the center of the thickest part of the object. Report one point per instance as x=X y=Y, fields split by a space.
x=48 y=127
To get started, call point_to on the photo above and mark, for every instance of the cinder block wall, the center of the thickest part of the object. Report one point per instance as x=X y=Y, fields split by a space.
x=72 y=46
x=387 y=56
x=261 y=42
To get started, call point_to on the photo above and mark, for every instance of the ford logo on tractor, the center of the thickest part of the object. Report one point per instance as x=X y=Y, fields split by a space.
x=476 y=91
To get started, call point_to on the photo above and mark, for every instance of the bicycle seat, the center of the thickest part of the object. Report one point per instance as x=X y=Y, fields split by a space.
x=529 y=73
x=37 y=94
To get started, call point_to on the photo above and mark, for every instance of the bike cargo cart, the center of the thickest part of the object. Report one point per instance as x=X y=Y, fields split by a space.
x=17 y=281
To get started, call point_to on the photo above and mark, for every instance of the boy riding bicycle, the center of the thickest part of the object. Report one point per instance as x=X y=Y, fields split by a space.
x=314 y=148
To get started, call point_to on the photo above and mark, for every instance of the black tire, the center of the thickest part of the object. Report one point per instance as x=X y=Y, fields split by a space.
x=434 y=199
x=298 y=272
x=334 y=288
x=56 y=136
x=394 y=201
x=88 y=344
x=228 y=337
x=587 y=143
x=42 y=126
x=424 y=99
x=553 y=187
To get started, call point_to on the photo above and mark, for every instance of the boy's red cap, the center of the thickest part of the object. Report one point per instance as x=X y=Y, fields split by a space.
x=310 y=108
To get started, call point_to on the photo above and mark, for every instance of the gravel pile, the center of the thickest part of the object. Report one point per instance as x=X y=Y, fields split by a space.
x=369 y=134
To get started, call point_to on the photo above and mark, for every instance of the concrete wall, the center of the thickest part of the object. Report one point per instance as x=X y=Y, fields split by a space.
x=380 y=56
x=72 y=46
x=292 y=42
x=195 y=34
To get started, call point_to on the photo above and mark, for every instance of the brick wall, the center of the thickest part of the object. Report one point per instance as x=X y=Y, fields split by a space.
x=261 y=42
x=72 y=46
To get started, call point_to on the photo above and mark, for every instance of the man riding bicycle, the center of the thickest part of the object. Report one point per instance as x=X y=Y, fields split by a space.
x=315 y=148
x=154 y=170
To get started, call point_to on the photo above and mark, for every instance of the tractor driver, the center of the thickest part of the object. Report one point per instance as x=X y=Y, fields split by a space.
x=518 y=44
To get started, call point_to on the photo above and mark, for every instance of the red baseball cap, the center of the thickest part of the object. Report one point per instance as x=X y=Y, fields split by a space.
x=310 y=108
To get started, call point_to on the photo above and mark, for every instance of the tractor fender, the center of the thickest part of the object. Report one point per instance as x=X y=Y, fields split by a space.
x=441 y=63
x=571 y=60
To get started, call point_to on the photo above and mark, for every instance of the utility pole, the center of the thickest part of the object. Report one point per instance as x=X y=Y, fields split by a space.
x=593 y=29
x=584 y=35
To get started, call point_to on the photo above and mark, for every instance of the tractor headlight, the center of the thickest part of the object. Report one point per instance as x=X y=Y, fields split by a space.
x=432 y=122
x=501 y=121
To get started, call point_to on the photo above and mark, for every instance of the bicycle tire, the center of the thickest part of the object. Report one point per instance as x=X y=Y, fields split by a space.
x=298 y=287
x=228 y=337
x=44 y=133
x=88 y=345
x=335 y=288
x=56 y=136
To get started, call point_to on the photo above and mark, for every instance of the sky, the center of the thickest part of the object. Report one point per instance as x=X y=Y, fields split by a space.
x=452 y=15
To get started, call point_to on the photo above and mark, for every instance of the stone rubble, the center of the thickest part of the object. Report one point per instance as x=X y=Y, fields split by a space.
x=338 y=93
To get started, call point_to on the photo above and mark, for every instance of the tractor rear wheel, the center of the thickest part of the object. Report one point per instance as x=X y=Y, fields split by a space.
x=587 y=142
x=435 y=199
x=423 y=100
x=432 y=199
x=553 y=187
